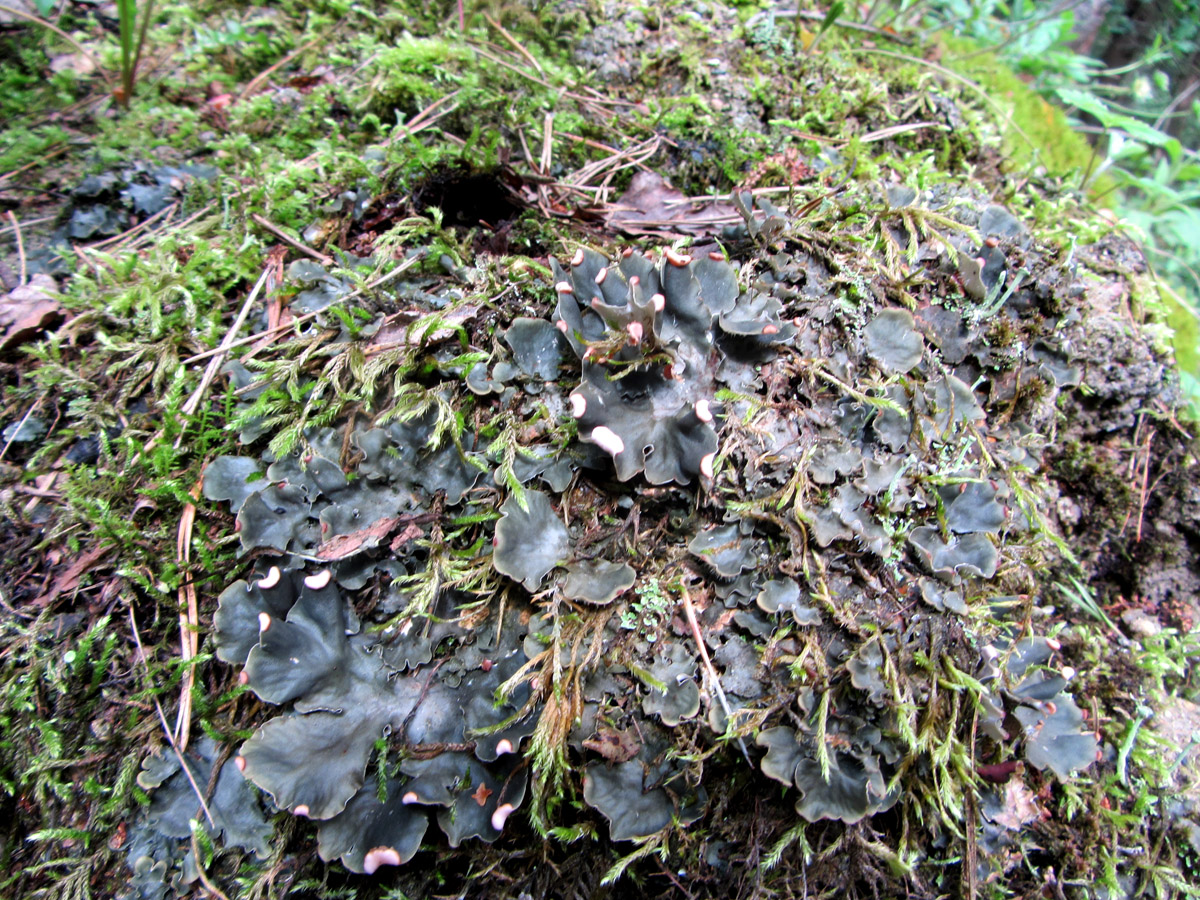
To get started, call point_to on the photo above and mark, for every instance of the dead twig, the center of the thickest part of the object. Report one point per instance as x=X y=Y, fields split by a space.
x=256 y=83
x=138 y=242
x=1145 y=481
x=632 y=154
x=1136 y=460
x=840 y=23
x=609 y=167
x=119 y=239
x=214 y=364
x=189 y=621
x=38 y=221
x=512 y=40
x=509 y=65
x=878 y=135
x=36 y=492
x=895 y=130
x=713 y=679
x=20 y=425
x=970 y=871
x=16 y=226
x=1179 y=98
x=542 y=194
x=541 y=166
x=291 y=241
x=954 y=76
x=197 y=856
x=547 y=143
x=42 y=483
x=46 y=155
x=426 y=117
x=137 y=639
x=271 y=332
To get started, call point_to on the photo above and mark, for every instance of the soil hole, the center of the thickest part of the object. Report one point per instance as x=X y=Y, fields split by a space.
x=468 y=198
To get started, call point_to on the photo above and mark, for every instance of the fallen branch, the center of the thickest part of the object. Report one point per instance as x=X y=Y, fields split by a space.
x=214 y=364
x=396 y=272
x=137 y=639
x=291 y=241
x=16 y=226
x=709 y=668
x=189 y=620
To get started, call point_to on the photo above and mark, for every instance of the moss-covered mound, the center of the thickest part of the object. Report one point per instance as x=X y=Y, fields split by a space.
x=677 y=454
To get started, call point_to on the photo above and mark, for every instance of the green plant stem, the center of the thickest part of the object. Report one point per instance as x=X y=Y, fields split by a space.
x=126 y=21
x=131 y=50
x=1127 y=745
x=147 y=15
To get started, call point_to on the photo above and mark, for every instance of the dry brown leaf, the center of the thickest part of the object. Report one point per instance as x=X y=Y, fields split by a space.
x=78 y=63
x=397 y=331
x=411 y=532
x=345 y=544
x=653 y=206
x=614 y=745
x=721 y=622
x=27 y=309
x=1020 y=806
x=69 y=580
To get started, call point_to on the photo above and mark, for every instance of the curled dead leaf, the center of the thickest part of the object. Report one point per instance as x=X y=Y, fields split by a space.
x=27 y=309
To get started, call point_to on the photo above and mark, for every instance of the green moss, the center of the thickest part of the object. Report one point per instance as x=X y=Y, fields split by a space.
x=24 y=86
x=681 y=115
x=1153 y=295
x=416 y=71
x=1086 y=466
x=1039 y=133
